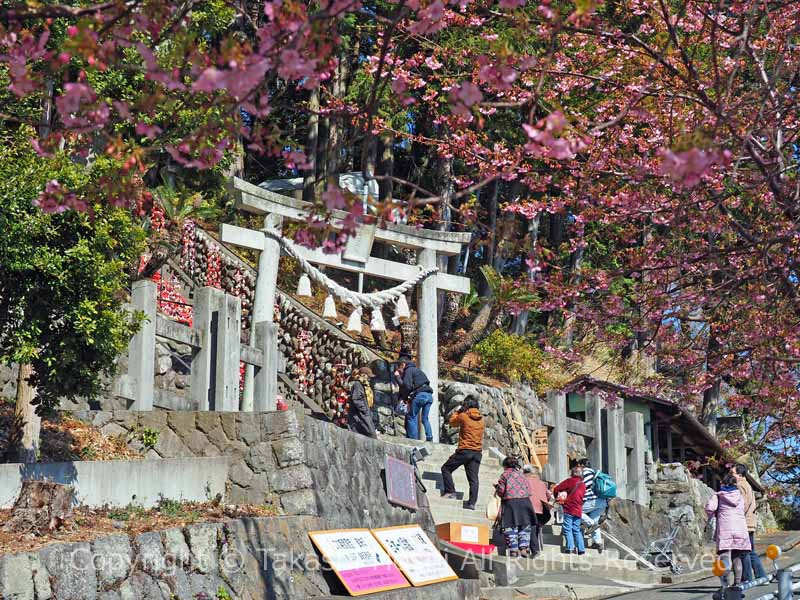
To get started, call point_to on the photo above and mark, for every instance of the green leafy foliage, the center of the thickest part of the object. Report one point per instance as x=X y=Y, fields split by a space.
x=62 y=276
x=222 y=594
x=514 y=358
x=177 y=509
x=506 y=291
x=126 y=513
x=149 y=437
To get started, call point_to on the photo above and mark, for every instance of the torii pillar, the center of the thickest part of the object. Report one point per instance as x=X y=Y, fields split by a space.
x=428 y=336
x=263 y=311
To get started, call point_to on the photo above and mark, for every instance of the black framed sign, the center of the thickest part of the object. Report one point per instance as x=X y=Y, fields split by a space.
x=401 y=486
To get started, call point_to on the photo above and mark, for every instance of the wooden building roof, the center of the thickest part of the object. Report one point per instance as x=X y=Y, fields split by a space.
x=680 y=418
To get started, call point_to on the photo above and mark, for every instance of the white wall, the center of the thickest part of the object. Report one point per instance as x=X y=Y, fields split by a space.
x=121 y=482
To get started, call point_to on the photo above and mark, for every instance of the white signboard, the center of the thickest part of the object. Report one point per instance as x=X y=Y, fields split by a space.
x=358 y=560
x=470 y=534
x=415 y=554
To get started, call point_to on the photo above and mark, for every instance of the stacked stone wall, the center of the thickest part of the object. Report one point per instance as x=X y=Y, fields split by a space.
x=247 y=559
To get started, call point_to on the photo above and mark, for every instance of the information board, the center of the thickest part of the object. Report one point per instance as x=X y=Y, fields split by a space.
x=358 y=560
x=401 y=486
x=415 y=554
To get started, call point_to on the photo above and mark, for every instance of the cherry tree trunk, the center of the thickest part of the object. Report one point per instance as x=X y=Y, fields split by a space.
x=488 y=319
x=386 y=186
x=576 y=263
x=310 y=177
x=27 y=423
x=521 y=320
x=41 y=506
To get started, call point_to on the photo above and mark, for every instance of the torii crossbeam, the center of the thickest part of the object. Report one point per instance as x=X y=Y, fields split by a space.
x=427 y=243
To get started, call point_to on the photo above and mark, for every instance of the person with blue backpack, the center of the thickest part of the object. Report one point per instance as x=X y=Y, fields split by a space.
x=599 y=489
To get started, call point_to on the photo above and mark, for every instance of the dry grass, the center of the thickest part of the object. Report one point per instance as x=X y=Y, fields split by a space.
x=64 y=438
x=89 y=524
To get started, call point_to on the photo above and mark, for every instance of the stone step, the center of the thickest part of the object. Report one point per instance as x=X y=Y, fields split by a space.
x=436 y=462
x=486 y=479
x=463 y=495
x=487 y=474
x=588 y=563
x=591 y=553
x=458 y=515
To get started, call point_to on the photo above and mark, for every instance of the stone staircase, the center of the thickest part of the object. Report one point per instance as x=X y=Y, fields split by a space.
x=551 y=560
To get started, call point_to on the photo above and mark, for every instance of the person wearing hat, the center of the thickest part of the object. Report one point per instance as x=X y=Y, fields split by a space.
x=359 y=416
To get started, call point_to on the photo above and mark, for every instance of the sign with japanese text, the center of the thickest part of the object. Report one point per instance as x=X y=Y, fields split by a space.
x=415 y=554
x=401 y=486
x=358 y=560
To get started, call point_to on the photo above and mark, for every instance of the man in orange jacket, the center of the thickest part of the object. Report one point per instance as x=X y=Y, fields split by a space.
x=470 y=422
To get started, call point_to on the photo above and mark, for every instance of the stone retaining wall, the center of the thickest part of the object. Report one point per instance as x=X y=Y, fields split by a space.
x=248 y=559
x=321 y=476
x=453 y=393
x=303 y=465
x=674 y=492
x=265 y=450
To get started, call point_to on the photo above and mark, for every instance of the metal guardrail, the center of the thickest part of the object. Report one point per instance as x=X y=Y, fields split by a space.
x=785 y=591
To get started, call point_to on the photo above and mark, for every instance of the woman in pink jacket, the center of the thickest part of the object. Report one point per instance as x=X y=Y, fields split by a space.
x=733 y=539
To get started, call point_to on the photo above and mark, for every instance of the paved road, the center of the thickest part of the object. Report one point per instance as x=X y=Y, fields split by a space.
x=703 y=590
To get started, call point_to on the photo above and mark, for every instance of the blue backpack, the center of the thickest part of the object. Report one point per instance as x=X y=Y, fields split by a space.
x=604 y=486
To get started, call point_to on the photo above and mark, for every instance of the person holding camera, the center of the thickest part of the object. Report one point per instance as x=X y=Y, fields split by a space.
x=416 y=388
x=470 y=423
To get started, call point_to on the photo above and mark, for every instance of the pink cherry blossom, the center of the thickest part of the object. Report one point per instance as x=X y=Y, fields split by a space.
x=334 y=199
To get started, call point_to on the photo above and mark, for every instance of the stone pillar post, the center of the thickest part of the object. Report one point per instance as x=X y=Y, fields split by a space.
x=557 y=461
x=637 y=476
x=229 y=331
x=594 y=407
x=617 y=461
x=142 y=348
x=263 y=307
x=206 y=303
x=428 y=339
x=266 y=378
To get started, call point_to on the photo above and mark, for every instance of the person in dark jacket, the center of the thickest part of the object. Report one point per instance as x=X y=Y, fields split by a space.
x=416 y=389
x=569 y=493
x=470 y=425
x=359 y=417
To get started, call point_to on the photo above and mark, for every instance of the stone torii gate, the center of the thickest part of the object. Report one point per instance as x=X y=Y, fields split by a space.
x=356 y=258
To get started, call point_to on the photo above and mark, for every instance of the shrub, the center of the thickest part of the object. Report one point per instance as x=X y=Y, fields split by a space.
x=514 y=358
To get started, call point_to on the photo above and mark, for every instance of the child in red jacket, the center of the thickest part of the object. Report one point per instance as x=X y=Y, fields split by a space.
x=569 y=493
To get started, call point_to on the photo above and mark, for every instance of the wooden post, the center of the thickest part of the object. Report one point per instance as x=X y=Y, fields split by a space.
x=594 y=407
x=617 y=458
x=428 y=339
x=226 y=393
x=142 y=349
x=637 y=476
x=206 y=303
x=557 y=460
x=670 y=457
